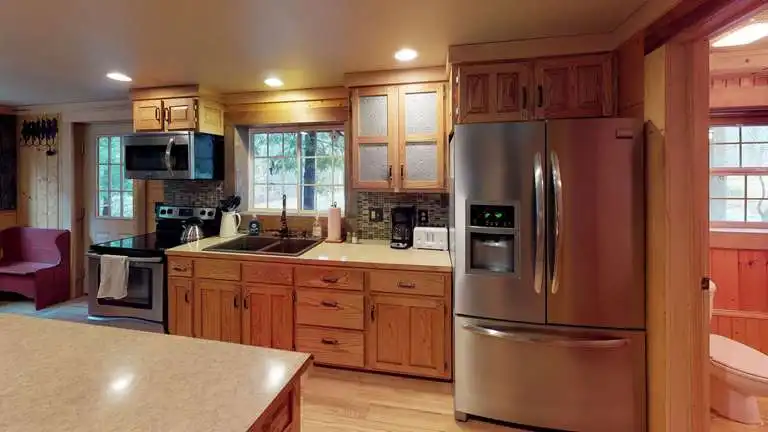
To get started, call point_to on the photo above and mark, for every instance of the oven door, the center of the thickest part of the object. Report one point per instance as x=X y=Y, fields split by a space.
x=146 y=287
x=158 y=156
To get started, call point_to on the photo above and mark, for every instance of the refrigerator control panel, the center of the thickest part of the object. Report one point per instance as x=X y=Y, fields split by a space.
x=492 y=216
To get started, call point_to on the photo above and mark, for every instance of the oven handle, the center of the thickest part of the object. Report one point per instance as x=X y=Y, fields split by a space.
x=130 y=259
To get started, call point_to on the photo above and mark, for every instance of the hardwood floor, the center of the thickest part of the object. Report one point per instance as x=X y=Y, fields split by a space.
x=720 y=424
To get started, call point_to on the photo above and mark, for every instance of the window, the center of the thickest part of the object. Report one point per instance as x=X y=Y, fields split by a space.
x=115 y=196
x=305 y=164
x=738 y=185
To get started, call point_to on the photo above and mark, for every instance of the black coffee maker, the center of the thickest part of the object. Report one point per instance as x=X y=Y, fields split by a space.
x=403 y=221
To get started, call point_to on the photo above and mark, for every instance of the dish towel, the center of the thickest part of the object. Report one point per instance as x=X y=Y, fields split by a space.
x=113 y=281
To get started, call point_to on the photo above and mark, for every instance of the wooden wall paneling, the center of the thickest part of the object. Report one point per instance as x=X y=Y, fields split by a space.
x=396 y=76
x=726 y=326
x=323 y=111
x=753 y=333
x=739 y=330
x=738 y=91
x=38 y=182
x=724 y=270
x=631 y=77
x=753 y=281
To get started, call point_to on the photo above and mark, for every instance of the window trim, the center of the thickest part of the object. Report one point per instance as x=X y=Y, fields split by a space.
x=319 y=127
x=121 y=191
x=738 y=171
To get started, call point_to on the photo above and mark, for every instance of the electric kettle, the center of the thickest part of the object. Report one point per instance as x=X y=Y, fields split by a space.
x=192 y=231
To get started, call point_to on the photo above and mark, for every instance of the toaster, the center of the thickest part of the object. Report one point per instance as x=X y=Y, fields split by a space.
x=430 y=238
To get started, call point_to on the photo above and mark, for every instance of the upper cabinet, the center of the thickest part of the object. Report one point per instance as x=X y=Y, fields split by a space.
x=398 y=137
x=564 y=87
x=180 y=108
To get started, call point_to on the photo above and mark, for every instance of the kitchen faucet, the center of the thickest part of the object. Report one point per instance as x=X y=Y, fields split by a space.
x=284 y=233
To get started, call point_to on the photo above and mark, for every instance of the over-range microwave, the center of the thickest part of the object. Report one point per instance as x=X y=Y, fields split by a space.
x=174 y=156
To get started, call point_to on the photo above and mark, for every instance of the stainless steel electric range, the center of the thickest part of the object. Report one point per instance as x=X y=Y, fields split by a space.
x=147 y=293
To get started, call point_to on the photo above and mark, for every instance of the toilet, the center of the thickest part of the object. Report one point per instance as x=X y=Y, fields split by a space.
x=739 y=375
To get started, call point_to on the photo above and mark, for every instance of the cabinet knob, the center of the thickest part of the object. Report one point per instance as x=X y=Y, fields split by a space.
x=329 y=279
x=329 y=341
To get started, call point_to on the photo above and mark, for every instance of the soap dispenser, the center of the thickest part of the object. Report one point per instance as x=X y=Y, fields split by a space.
x=317 y=230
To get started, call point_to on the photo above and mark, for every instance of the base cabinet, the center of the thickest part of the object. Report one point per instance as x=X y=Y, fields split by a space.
x=217 y=310
x=180 y=306
x=268 y=316
x=408 y=334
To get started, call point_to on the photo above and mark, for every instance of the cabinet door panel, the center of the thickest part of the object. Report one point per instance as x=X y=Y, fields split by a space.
x=555 y=94
x=421 y=136
x=217 y=310
x=408 y=335
x=373 y=165
x=180 y=306
x=494 y=92
x=374 y=137
x=180 y=114
x=421 y=162
x=573 y=87
x=268 y=316
x=421 y=113
x=148 y=116
x=373 y=116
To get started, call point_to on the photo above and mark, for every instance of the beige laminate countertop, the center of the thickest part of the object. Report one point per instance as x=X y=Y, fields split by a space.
x=369 y=253
x=60 y=376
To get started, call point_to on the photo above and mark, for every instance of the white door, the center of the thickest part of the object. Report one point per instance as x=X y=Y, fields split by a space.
x=115 y=205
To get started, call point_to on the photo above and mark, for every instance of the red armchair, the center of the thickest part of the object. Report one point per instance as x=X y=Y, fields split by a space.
x=35 y=263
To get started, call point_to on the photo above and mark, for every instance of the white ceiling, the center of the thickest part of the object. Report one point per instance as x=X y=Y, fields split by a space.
x=58 y=51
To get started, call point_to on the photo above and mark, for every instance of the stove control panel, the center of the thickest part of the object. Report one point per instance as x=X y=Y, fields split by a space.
x=178 y=212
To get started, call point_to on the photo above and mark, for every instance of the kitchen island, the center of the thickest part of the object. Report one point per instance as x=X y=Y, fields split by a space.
x=78 y=377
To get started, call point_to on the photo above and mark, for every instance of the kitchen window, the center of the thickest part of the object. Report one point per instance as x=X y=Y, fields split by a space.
x=305 y=164
x=115 y=192
x=738 y=186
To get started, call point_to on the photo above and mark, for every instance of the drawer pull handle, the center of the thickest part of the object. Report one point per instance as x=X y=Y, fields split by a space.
x=186 y=296
x=180 y=268
x=402 y=284
x=328 y=341
x=328 y=303
x=330 y=279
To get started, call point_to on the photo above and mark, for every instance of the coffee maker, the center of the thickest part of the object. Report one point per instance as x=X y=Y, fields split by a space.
x=403 y=221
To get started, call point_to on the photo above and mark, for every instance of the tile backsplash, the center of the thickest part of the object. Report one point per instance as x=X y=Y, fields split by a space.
x=436 y=204
x=202 y=193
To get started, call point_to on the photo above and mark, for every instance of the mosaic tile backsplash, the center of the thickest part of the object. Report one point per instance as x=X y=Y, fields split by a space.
x=435 y=203
x=198 y=193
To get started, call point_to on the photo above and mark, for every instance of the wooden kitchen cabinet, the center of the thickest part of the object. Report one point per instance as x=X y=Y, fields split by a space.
x=180 y=306
x=267 y=316
x=495 y=92
x=148 y=116
x=408 y=335
x=217 y=310
x=398 y=140
x=178 y=114
x=573 y=87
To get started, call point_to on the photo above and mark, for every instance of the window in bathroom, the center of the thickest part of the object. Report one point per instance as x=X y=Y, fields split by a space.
x=306 y=164
x=738 y=184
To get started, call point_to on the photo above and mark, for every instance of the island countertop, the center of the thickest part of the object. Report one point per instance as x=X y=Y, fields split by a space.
x=368 y=253
x=68 y=376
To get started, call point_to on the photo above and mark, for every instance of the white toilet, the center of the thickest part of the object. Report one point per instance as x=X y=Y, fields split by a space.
x=739 y=376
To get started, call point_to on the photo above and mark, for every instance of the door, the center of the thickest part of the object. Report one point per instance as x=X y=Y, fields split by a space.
x=180 y=114
x=114 y=204
x=495 y=92
x=216 y=309
x=180 y=306
x=597 y=240
x=268 y=316
x=374 y=137
x=499 y=262
x=421 y=136
x=148 y=116
x=551 y=377
x=574 y=87
x=407 y=335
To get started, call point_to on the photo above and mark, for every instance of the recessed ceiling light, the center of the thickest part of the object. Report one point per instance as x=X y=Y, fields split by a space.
x=273 y=82
x=406 y=54
x=117 y=76
x=743 y=36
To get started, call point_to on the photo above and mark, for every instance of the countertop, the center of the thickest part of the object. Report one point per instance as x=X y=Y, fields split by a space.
x=69 y=376
x=369 y=253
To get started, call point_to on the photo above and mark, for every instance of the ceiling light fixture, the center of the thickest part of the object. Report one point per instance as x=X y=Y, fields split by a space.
x=743 y=36
x=406 y=54
x=117 y=76
x=273 y=82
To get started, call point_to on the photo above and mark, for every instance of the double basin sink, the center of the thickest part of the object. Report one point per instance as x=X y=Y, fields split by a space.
x=266 y=246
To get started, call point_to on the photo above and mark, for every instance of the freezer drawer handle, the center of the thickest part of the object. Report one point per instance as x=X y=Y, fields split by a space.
x=535 y=339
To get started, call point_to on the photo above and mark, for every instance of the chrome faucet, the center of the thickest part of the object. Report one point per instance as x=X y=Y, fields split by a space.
x=283 y=220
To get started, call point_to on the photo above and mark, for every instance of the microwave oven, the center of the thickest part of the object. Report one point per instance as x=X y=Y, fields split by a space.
x=174 y=156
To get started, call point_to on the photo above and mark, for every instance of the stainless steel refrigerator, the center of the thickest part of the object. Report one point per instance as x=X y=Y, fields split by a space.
x=547 y=230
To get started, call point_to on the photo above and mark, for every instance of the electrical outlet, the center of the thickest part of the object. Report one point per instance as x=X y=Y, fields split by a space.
x=423 y=219
x=375 y=214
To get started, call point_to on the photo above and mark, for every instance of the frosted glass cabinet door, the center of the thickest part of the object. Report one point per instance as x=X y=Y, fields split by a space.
x=421 y=113
x=421 y=160
x=373 y=165
x=373 y=116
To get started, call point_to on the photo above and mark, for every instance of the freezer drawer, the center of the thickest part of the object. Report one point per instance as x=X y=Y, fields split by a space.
x=548 y=376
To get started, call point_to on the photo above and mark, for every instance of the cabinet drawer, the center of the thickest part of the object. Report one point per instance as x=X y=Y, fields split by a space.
x=180 y=267
x=331 y=346
x=281 y=417
x=330 y=308
x=326 y=277
x=217 y=269
x=268 y=273
x=430 y=284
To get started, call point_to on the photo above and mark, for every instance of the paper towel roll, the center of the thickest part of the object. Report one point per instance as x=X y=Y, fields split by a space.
x=334 y=224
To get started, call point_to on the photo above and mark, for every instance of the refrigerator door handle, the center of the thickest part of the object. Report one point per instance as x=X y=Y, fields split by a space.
x=557 y=185
x=536 y=338
x=538 y=181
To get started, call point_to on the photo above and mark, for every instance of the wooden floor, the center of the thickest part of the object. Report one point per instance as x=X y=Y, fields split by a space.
x=345 y=401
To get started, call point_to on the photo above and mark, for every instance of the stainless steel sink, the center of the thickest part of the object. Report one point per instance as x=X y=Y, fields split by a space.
x=266 y=246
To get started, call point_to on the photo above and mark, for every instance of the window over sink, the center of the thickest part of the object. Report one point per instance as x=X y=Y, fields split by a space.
x=304 y=163
x=738 y=185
